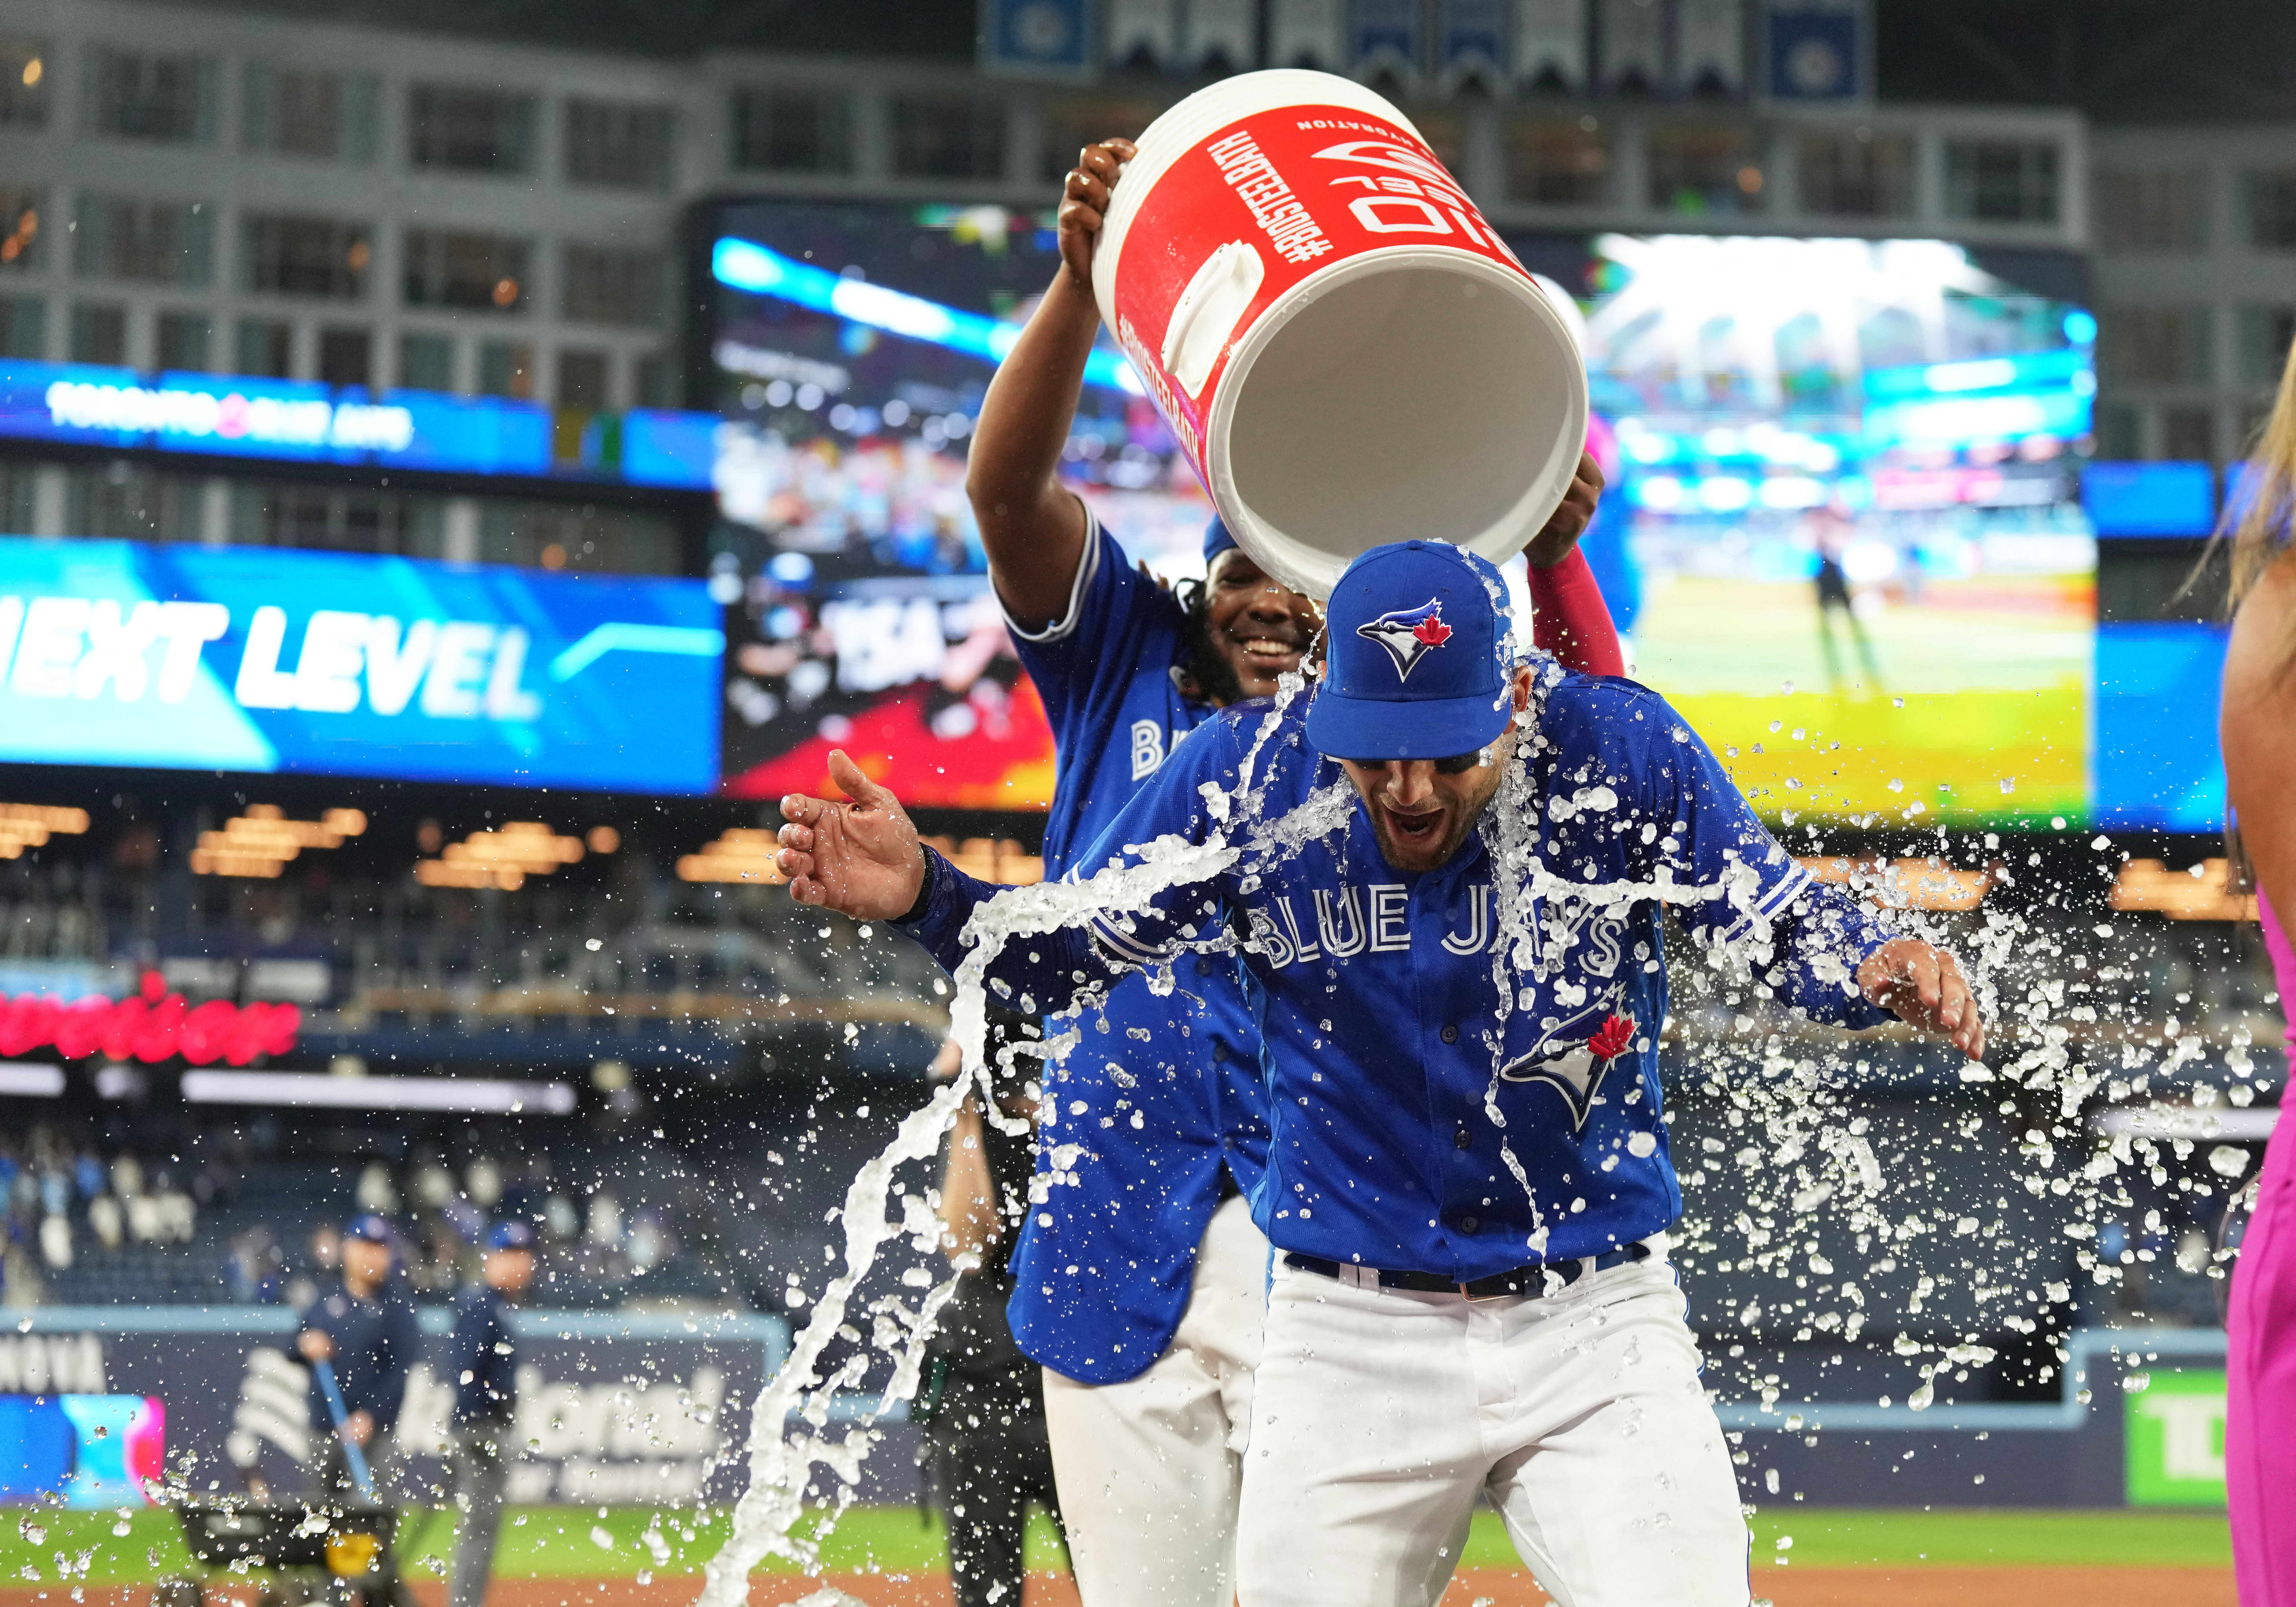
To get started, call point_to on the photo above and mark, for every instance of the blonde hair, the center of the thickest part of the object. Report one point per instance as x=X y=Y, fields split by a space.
x=2257 y=518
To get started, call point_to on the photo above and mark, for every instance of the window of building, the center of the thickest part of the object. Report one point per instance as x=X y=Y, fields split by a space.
x=656 y=382
x=99 y=333
x=186 y=339
x=2271 y=196
x=18 y=494
x=485 y=273
x=1855 y=173
x=610 y=284
x=1705 y=169
x=292 y=256
x=25 y=75
x=2151 y=209
x=785 y=129
x=617 y=144
x=136 y=96
x=506 y=368
x=468 y=130
x=1558 y=162
x=553 y=536
x=2189 y=432
x=23 y=327
x=294 y=111
x=21 y=214
x=272 y=513
x=582 y=382
x=2265 y=334
x=2002 y=181
x=947 y=137
x=426 y=362
x=263 y=347
x=1068 y=126
x=2154 y=346
x=130 y=502
x=346 y=357
x=161 y=242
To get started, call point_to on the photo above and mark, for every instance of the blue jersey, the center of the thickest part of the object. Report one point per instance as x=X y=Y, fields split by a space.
x=1464 y=1063
x=1162 y=1094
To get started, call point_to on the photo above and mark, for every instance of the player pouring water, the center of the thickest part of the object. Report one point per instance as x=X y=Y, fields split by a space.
x=1445 y=878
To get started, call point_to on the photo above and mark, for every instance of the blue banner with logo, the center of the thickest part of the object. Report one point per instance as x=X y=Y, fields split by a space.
x=340 y=664
x=235 y=416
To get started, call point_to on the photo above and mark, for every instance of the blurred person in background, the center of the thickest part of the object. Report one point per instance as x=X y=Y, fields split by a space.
x=982 y=1401
x=2259 y=731
x=365 y=1330
x=482 y=1359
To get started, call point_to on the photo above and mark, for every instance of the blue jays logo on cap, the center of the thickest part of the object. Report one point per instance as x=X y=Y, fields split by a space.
x=1409 y=633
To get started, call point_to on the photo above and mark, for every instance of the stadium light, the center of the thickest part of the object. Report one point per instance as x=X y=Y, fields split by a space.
x=1905 y=883
x=2203 y=893
x=478 y=1095
x=503 y=859
x=260 y=842
x=30 y=825
x=28 y=1079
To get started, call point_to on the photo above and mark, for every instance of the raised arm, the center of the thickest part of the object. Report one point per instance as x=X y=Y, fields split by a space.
x=1031 y=526
x=1568 y=616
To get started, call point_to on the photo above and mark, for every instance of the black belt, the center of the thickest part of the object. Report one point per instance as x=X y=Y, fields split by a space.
x=1527 y=1281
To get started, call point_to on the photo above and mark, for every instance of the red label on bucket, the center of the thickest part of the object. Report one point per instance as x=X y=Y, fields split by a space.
x=1306 y=187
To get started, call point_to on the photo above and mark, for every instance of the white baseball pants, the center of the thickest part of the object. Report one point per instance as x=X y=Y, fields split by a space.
x=1380 y=1414
x=1148 y=1470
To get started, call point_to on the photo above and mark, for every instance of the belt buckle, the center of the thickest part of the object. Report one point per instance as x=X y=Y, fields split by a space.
x=1467 y=1293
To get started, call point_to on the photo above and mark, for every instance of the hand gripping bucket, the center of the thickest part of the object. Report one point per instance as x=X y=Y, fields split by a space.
x=1348 y=351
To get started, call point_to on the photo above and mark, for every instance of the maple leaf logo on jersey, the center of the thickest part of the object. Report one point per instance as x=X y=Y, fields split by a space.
x=1409 y=633
x=1571 y=1056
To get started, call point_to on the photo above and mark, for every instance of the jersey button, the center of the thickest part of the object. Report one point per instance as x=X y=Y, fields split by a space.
x=1463 y=1138
x=1450 y=1033
x=1468 y=1225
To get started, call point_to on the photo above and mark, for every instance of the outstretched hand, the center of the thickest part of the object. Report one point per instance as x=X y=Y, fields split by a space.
x=1084 y=203
x=859 y=857
x=1922 y=985
x=1569 y=521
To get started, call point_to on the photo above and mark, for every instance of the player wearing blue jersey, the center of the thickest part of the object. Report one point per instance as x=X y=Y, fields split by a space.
x=1140 y=1280
x=1453 y=934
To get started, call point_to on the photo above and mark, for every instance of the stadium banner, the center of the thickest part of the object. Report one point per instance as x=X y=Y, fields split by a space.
x=612 y=1408
x=291 y=420
x=2175 y=1439
x=268 y=660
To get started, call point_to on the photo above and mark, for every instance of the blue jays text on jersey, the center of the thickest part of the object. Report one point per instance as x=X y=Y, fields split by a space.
x=1400 y=1010
x=1162 y=1093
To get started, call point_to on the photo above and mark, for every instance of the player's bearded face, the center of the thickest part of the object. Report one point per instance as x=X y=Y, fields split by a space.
x=1261 y=630
x=1420 y=814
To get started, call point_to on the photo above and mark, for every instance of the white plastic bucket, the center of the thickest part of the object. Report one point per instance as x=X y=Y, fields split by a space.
x=1348 y=352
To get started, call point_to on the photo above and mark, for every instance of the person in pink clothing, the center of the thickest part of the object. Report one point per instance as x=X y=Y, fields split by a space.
x=2259 y=731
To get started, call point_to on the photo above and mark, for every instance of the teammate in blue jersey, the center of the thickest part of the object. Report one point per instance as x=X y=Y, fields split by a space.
x=1453 y=934
x=1140 y=1280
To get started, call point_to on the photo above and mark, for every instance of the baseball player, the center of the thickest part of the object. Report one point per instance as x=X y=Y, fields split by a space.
x=1139 y=1279
x=482 y=1360
x=1455 y=939
x=367 y=1330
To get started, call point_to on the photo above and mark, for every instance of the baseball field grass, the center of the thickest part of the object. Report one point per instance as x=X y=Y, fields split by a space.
x=45 y=1547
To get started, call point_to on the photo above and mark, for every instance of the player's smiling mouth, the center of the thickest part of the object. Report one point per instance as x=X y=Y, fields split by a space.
x=1271 y=651
x=1414 y=828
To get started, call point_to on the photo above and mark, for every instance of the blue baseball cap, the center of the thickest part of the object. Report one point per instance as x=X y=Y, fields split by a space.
x=511 y=1235
x=1216 y=539
x=1418 y=657
x=372 y=1227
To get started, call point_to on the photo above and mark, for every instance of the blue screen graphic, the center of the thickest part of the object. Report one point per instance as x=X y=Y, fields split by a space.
x=2150 y=499
x=336 y=664
x=2156 y=763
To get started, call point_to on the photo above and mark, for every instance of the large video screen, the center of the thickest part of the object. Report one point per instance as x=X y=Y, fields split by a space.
x=1844 y=535
x=851 y=347
x=115 y=653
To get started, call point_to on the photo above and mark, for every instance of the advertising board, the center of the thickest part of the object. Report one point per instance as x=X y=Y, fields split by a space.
x=338 y=664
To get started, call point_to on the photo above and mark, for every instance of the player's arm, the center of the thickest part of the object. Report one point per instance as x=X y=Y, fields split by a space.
x=1813 y=947
x=968 y=1204
x=862 y=857
x=1568 y=616
x=1032 y=527
x=2259 y=711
